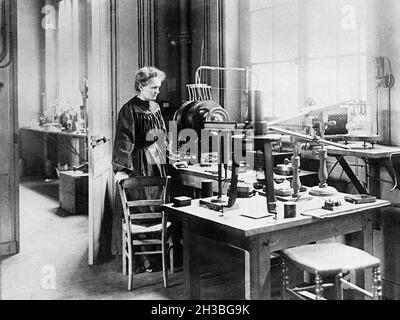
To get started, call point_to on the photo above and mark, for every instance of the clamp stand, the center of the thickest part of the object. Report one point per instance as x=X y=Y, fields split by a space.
x=323 y=190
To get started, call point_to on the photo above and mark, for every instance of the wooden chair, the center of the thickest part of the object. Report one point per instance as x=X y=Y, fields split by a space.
x=147 y=230
x=328 y=259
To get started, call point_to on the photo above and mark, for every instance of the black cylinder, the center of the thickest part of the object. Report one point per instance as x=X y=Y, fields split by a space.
x=254 y=107
x=289 y=210
x=206 y=188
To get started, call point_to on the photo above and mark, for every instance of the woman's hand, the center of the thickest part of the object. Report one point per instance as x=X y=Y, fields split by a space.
x=120 y=176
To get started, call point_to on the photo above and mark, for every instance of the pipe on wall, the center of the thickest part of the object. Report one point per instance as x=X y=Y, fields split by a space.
x=184 y=41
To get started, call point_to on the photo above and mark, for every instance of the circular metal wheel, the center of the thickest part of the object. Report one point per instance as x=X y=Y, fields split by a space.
x=197 y=114
x=180 y=115
x=217 y=114
x=192 y=114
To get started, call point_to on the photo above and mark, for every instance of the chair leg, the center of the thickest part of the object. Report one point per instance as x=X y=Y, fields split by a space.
x=164 y=255
x=284 y=279
x=339 y=286
x=124 y=269
x=319 y=290
x=377 y=283
x=130 y=272
x=129 y=260
x=171 y=255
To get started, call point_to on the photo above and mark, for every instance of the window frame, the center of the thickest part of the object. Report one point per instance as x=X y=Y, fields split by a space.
x=303 y=59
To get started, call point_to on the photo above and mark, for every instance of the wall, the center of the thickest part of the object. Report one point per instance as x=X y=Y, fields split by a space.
x=127 y=48
x=29 y=61
x=167 y=51
x=30 y=80
x=205 y=47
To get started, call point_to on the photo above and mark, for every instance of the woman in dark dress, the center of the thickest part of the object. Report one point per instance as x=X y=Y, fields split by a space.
x=133 y=154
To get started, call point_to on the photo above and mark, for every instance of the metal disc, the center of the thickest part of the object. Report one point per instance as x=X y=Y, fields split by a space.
x=217 y=114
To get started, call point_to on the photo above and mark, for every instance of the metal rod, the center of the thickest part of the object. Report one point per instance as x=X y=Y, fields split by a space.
x=306 y=137
x=197 y=76
x=269 y=178
x=310 y=110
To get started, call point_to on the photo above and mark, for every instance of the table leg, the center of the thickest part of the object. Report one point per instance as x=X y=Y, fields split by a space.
x=368 y=247
x=374 y=185
x=258 y=271
x=191 y=263
x=350 y=174
x=364 y=241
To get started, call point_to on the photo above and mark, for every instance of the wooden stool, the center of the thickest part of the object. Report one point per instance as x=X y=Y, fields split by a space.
x=327 y=259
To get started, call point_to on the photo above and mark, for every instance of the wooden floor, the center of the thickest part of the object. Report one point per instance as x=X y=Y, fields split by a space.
x=52 y=263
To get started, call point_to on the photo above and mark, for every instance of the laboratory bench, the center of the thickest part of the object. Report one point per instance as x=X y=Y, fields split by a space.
x=42 y=148
x=249 y=228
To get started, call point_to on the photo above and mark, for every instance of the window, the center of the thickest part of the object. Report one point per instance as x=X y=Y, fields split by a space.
x=304 y=49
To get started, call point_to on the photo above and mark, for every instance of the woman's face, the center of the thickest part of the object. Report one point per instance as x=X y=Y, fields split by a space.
x=151 y=91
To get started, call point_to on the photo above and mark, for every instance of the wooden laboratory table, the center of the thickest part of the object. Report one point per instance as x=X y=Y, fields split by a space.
x=376 y=157
x=245 y=228
x=51 y=130
x=69 y=146
x=194 y=174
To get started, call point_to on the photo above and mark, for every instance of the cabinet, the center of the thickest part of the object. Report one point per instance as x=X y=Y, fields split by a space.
x=73 y=192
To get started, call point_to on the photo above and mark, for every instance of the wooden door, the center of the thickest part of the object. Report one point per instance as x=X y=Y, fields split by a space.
x=100 y=128
x=9 y=194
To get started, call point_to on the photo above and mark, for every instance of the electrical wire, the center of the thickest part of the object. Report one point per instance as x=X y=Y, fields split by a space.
x=3 y=31
x=391 y=281
x=7 y=45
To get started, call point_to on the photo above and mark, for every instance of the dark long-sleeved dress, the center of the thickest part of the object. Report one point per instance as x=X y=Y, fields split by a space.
x=136 y=156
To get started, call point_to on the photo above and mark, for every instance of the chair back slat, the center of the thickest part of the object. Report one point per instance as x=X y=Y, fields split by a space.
x=144 y=203
x=142 y=216
x=141 y=182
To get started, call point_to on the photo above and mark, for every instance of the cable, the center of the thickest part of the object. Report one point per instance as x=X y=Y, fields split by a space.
x=7 y=45
x=379 y=179
x=3 y=31
x=391 y=281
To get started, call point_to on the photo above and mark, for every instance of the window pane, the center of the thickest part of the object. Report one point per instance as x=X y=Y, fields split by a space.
x=348 y=78
x=261 y=36
x=259 y=4
x=352 y=21
x=265 y=75
x=363 y=78
x=322 y=81
x=322 y=28
x=286 y=38
x=286 y=89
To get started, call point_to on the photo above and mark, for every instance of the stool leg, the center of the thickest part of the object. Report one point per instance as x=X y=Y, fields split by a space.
x=377 y=286
x=284 y=279
x=339 y=286
x=319 y=290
